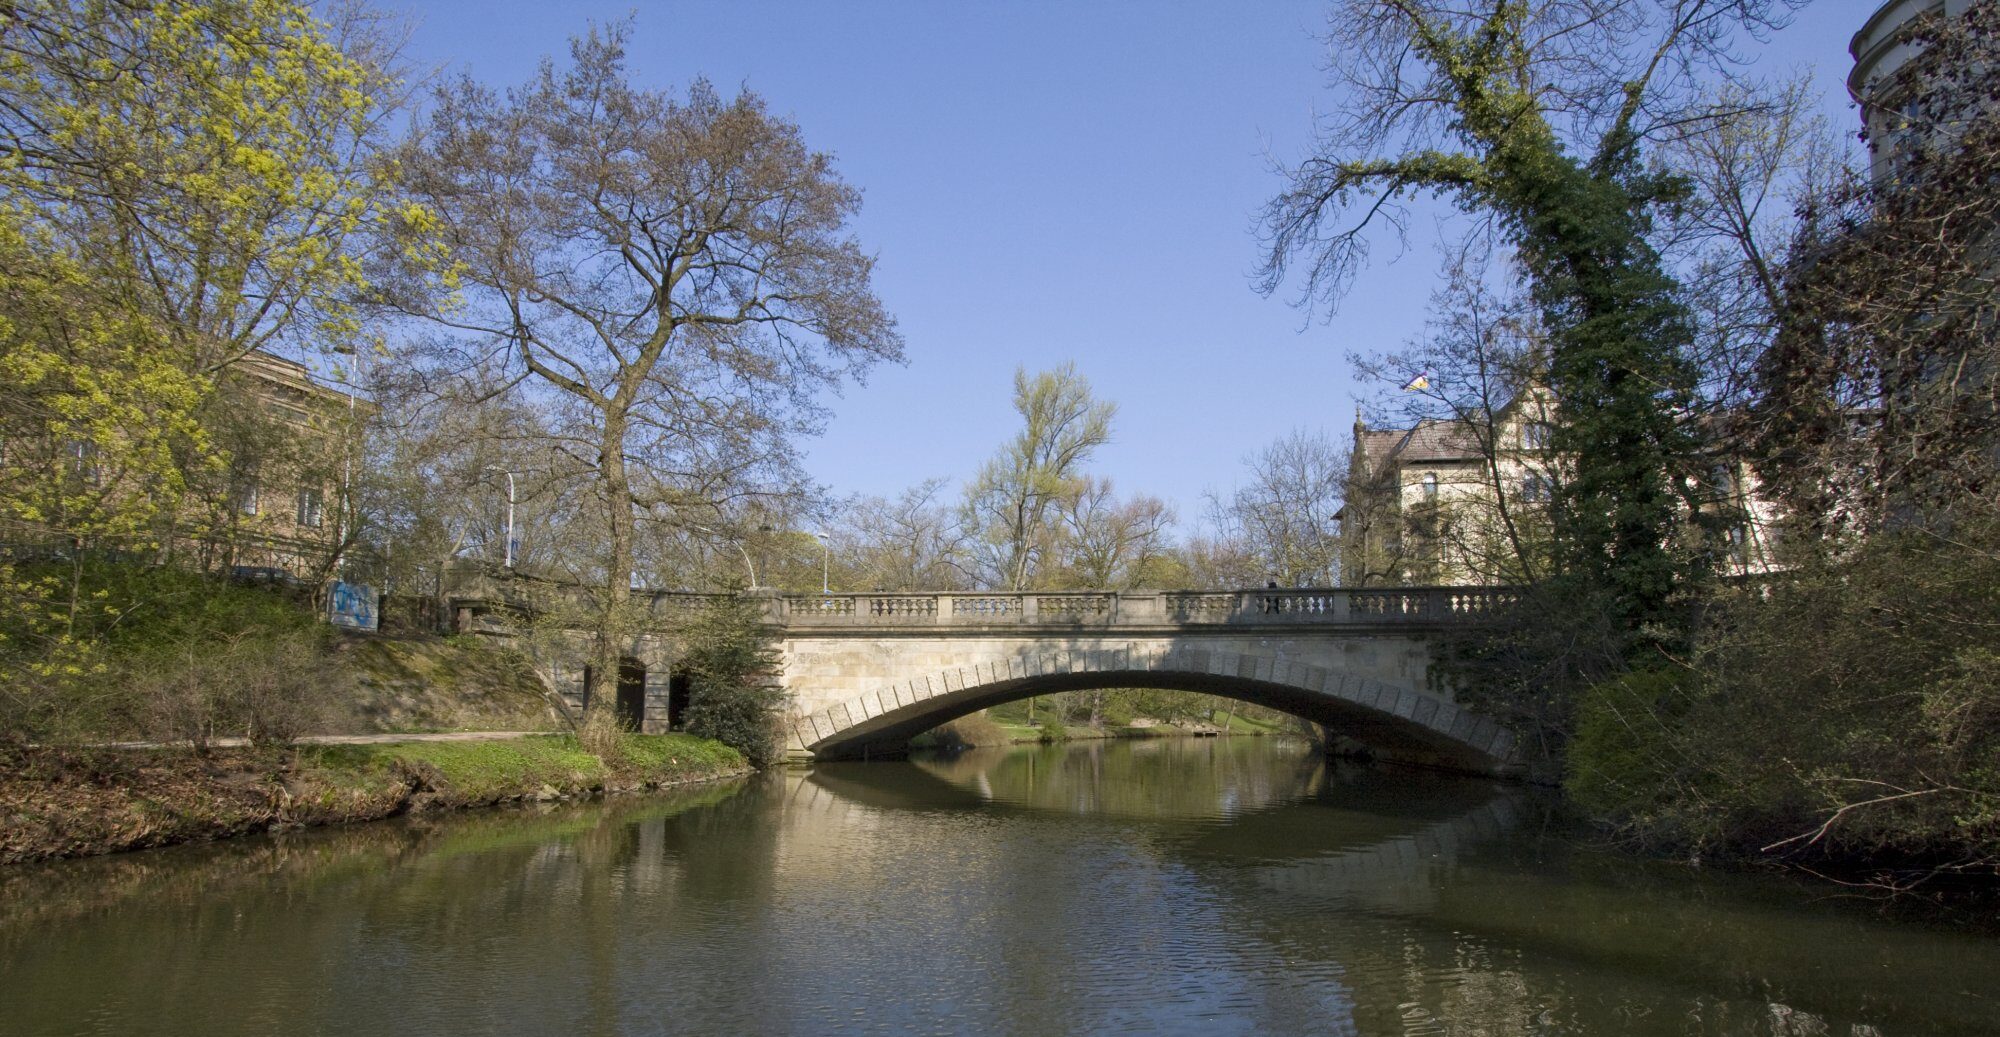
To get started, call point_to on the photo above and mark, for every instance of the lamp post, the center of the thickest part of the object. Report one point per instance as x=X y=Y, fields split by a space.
x=747 y=566
x=510 y=510
x=340 y=528
x=825 y=563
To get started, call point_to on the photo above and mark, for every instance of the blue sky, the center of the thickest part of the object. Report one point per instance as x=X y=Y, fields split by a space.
x=1052 y=181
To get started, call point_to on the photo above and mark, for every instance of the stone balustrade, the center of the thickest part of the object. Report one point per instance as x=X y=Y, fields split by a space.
x=1051 y=610
x=1089 y=609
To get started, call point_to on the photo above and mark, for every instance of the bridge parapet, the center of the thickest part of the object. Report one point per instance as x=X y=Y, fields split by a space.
x=1092 y=609
x=497 y=600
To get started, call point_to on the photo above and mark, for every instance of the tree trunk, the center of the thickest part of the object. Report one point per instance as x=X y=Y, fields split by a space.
x=602 y=689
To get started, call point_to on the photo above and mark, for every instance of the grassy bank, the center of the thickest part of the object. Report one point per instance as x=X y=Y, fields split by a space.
x=57 y=804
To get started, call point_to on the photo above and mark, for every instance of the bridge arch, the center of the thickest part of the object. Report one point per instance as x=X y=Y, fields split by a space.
x=1397 y=720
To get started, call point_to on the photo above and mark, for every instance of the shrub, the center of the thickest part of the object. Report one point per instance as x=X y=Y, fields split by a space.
x=153 y=651
x=269 y=689
x=1625 y=760
x=732 y=663
x=1851 y=710
x=600 y=733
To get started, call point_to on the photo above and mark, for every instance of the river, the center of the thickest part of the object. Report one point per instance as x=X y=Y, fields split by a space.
x=1226 y=886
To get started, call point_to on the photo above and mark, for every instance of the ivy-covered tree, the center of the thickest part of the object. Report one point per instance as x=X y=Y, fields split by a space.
x=1538 y=116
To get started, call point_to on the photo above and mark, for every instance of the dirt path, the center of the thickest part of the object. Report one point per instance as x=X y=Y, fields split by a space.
x=377 y=739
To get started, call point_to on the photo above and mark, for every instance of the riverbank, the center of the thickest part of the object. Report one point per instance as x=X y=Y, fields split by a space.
x=68 y=803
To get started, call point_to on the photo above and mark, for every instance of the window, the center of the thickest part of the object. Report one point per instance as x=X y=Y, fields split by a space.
x=1536 y=487
x=83 y=460
x=1535 y=436
x=246 y=497
x=311 y=508
x=1430 y=486
x=1722 y=481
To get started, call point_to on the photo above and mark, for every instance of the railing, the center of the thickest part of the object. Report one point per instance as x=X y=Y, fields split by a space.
x=1266 y=607
x=1271 y=606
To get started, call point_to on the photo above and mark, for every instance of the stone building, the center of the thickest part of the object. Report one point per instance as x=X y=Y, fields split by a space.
x=279 y=510
x=1464 y=501
x=1447 y=500
x=1882 y=52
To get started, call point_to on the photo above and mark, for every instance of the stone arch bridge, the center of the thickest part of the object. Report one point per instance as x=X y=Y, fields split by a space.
x=866 y=672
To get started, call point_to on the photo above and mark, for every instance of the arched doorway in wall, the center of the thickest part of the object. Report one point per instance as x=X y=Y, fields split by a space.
x=631 y=694
x=680 y=689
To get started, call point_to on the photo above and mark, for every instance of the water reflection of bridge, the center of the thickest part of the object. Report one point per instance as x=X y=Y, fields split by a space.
x=1031 y=891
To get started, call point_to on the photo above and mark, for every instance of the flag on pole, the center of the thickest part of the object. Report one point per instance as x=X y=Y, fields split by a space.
x=1418 y=384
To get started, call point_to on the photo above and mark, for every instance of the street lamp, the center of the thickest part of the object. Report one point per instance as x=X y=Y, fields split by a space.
x=510 y=510
x=825 y=563
x=340 y=529
x=752 y=569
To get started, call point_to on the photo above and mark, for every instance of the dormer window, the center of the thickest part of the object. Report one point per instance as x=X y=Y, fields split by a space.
x=1535 y=436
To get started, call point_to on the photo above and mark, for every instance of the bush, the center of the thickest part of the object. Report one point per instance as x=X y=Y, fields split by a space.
x=1625 y=760
x=732 y=663
x=152 y=651
x=1051 y=731
x=600 y=733
x=1850 y=710
x=268 y=689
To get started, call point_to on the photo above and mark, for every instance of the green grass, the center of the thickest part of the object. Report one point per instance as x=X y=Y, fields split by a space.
x=678 y=752
x=517 y=766
x=1242 y=725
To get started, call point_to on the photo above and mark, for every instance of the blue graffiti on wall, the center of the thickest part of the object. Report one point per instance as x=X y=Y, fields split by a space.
x=351 y=605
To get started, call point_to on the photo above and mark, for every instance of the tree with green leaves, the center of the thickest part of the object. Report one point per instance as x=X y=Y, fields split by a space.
x=1539 y=117
x=1014 y=506
x=181 y=184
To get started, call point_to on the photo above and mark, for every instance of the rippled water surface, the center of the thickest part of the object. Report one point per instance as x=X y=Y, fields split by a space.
x=1189 y=886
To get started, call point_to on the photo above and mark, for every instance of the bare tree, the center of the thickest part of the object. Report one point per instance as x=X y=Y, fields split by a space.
x=1879 y=400
x=1483 y=359
x=915 y=542
x=671 y=280
x=1285 y=514
x=1113 y=543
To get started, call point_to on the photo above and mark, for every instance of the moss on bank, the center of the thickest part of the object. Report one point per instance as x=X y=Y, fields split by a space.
x=69 y=804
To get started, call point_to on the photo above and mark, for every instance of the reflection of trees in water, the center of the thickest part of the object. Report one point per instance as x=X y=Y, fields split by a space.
x=1424 y=903
x=1154 y=779
x=1445 y=912
x=1027 y=892
x=263 y=933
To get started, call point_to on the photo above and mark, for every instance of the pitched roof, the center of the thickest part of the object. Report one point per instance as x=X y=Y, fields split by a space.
x=1439 y=439
x=1376 y=446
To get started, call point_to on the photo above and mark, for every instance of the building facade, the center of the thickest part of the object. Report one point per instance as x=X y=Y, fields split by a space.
x=1464 y=501
x=1883 y=50
x=280 y=509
